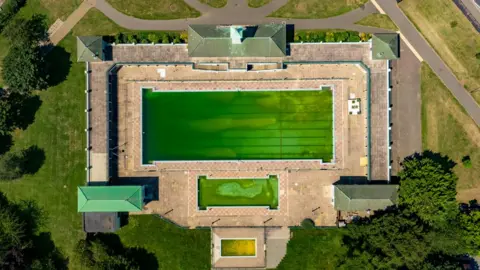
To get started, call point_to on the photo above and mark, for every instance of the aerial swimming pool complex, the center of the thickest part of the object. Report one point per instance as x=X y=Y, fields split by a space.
x=237 y=125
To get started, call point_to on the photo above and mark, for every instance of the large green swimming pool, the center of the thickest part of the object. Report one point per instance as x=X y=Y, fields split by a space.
x=231 y=125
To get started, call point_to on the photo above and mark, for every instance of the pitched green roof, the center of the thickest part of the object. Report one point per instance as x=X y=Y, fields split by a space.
x=364 y=197
x=110 y=198
x=385 y=46
x=265 y=40
x=90 y=49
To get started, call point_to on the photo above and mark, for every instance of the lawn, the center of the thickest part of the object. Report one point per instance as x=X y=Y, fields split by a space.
x=378 y=20
x=314 y=249
x=451 y=35
x=237 y=125
x=155 y=10
x=258 y=3
x=237 y=192
x=174 y=247
x=311 y=9
x=215 y=3
x=447 y=129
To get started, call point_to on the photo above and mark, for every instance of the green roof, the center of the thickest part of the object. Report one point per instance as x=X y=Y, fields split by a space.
x=264 y=40
x=110 y=199
x=90 y=49
x=364 y=197
x=385 y=46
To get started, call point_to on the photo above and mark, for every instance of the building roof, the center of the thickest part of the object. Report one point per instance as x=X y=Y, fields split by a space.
x=100 y=222
x=90 y=49
x=385 y=46
x=364 y=197
x=110 y=199
x=264 y=40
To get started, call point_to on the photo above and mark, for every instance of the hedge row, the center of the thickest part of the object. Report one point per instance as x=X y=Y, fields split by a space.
x=330 y=36
x=150 y=37
x=8 y=10
x=182 y=37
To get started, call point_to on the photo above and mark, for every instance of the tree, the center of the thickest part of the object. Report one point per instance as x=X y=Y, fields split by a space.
x=470 y=223
x=96 y=254
x=11 y=166
x=24 y=69
x=16 y=111
x=8 y=11
x=396 y=239
x=428 y=187
x=30 y=31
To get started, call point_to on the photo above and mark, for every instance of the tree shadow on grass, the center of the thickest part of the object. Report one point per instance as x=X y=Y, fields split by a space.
x=6 y=143
x=26 y=108
x=444 y=161
x=39 y=250
x=33 y=159
x=143 y=258
x=58 y=65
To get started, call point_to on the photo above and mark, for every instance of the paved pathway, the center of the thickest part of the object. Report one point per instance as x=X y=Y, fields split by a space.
x=474 y=10
x=431 y=57
x=71 y=21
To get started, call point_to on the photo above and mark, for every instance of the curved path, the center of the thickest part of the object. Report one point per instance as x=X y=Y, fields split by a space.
x=238 y=12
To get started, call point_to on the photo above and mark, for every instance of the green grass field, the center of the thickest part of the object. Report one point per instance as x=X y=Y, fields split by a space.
x=258 y=3
x=231 y=125
x=446 y=128
x=237 y=192
x=311 y=9
x=155 y=10
x=215 y=3
x=314 y=249
x=378 y=20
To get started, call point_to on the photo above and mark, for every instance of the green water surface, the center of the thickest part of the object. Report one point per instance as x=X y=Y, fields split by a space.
x=238 y=192
x=243 y=125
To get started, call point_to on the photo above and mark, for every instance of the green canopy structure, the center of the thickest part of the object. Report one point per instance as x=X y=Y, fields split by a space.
x=364 y=197
x=90 y=49
x=110 y=198
x=385 y=46
x=264 y=40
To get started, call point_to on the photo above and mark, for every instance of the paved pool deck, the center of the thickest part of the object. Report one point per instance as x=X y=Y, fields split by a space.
x=305 y=186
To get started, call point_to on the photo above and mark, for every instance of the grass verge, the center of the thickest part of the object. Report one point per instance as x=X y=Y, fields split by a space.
x=314 y=249
x=174 y=247
x=215 y=3
x=155 y=10
x=258 y=3
x=451 y=35
x=378 y=20
x=310 y=9
x=446 y=128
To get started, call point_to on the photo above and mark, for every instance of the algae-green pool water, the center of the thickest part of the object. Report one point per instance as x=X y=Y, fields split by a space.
x=237 y=125
x=238 y=247
x=238 y=192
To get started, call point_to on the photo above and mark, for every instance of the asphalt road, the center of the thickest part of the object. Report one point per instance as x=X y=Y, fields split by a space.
x=431 y=57
x=474 y=10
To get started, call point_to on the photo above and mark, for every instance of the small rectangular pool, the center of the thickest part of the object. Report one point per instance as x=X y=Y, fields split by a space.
x=238 y=247
x=237 y=125
x=257 y=192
